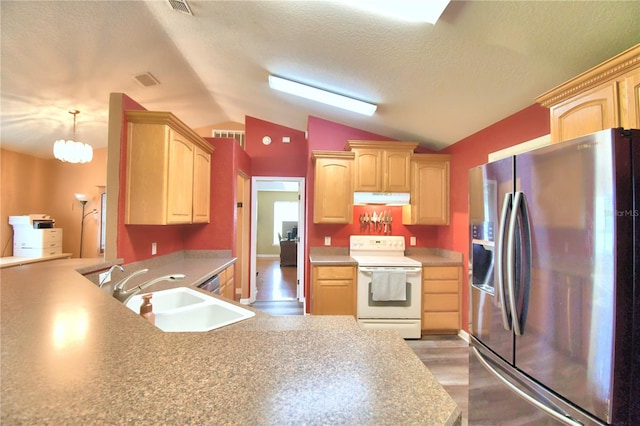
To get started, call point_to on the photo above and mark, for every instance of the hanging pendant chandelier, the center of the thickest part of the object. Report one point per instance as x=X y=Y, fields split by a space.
x=71 y=151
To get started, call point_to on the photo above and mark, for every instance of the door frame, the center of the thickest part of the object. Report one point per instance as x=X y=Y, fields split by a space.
x=301 y=233
x=243 y=199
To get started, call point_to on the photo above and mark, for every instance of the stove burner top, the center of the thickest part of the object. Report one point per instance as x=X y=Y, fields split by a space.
x=398 y=261
x=380 y=251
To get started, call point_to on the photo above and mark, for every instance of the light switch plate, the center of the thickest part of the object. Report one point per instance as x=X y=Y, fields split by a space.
x=327 y=241
x=154 y=248
x=412 y=241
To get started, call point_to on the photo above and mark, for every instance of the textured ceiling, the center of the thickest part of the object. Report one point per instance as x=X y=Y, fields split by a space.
x=435 y=84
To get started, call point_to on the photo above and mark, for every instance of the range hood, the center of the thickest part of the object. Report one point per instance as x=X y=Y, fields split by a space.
x=381 y=198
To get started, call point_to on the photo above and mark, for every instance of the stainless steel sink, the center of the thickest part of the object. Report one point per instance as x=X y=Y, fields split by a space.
x=183 y=309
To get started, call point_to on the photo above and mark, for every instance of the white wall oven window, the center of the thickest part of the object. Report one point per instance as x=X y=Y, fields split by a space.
x=283 y=211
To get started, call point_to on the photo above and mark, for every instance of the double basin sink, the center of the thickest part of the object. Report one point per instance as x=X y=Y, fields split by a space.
x=183 y=309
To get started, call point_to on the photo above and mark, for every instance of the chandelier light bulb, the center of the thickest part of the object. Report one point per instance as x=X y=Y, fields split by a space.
x=71 y=151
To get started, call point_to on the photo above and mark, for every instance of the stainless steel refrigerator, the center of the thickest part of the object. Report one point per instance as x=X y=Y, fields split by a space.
x=554 y=295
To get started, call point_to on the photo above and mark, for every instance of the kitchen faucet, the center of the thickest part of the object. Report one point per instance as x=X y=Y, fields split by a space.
x=120 y=284
x=108 y=274
x=124 y=295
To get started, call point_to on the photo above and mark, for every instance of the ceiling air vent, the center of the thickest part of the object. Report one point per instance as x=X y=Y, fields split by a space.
x=180 y=6
x=146 y=79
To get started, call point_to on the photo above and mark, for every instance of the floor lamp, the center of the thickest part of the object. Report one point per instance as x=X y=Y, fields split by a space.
x=83 y=200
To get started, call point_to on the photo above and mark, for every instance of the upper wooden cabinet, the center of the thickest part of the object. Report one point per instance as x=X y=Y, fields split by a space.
x=382 y=166
x=201 y=185
x=606 y=96
x=168 y=171
x=429 y=203
x=333 y=187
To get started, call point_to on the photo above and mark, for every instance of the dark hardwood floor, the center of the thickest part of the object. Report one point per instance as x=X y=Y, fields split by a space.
x=445 y=356
x=275 y=282
x=276 y=287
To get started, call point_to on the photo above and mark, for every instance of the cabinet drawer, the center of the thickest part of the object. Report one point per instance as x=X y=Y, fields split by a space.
x=440 y=272
x=38 y=238
x=333 y=272
x=440 y=286
x=37 y=252
x=440 y=321
x=335 y=283
x=229 y=272
x=440 y=303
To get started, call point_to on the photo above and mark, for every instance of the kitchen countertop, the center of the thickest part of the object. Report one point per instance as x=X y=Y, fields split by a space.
x=332 y=259
x=435 y=257
x=71 y=354
x=9 y=261
x=426 y=256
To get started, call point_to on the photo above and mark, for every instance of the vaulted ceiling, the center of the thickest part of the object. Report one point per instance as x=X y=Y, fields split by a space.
x=434 y=84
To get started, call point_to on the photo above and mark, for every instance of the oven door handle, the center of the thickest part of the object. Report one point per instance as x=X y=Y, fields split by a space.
x=410 y=270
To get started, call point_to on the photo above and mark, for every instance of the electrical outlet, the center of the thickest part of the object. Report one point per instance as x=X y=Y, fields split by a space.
x=412 y=241
x=104 y=277
x=327 y=241
x=154 y=248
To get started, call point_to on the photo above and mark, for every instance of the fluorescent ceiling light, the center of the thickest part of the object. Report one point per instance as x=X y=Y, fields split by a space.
x=407 y=10
x=320 y=95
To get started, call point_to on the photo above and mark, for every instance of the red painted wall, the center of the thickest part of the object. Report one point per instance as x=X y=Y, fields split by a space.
x=277 y=159
x=527 y=124
x=241 y=160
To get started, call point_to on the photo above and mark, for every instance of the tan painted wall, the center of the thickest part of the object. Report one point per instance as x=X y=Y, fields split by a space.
x=264 y=234
x=34 y=185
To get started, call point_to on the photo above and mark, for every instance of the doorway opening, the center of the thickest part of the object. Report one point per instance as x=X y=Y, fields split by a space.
x=277 y=239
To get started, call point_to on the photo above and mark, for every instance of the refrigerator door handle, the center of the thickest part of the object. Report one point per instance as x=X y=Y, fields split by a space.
x=516 y=292
x=499 y=260
x=519 y=292
x=562 y=417
x=524 y=288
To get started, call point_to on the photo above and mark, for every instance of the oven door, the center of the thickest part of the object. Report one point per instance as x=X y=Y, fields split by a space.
x=370 y=306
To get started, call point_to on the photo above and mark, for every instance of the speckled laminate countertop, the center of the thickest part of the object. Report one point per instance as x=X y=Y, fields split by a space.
x=426 y=256
x=435 y=257
x=332 y=259
x=71 y=354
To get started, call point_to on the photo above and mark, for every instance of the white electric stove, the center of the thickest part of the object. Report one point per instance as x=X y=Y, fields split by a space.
x=382 y=263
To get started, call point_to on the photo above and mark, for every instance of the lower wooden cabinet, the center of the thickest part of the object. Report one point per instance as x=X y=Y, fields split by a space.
x=441 y=299
x=333 y=290
x=227 y=283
